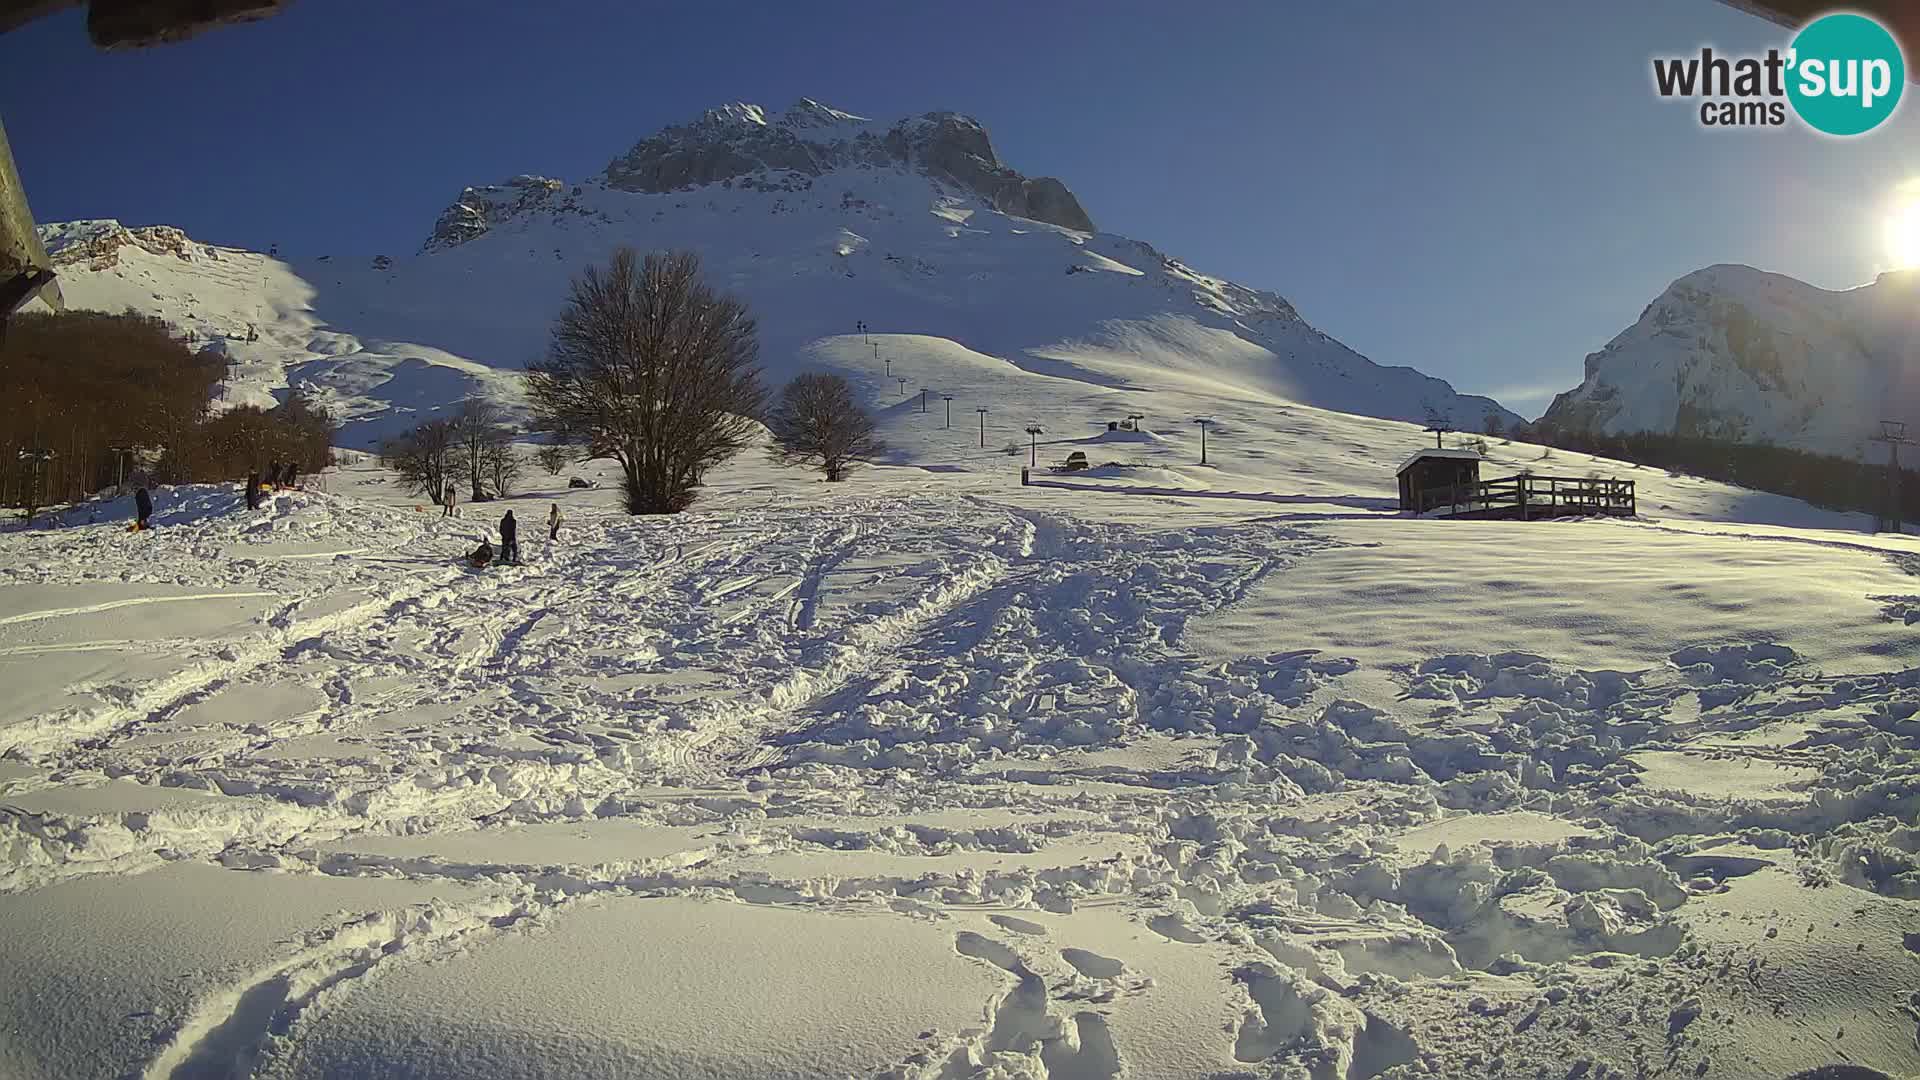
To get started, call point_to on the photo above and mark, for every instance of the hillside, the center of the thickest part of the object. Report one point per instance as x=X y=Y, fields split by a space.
x=818 y=218
x=1737 y=354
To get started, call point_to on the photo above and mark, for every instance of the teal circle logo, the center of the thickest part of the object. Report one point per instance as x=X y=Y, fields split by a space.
x=1845 y=74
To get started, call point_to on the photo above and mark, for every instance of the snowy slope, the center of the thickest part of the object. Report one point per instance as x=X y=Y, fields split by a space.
x=1731 y=352
x=817 y=218
x=1158 y=771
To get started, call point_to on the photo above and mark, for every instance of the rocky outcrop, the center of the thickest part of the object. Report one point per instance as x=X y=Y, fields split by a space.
x=478 y=209
x=739 y=142
x=97 y=244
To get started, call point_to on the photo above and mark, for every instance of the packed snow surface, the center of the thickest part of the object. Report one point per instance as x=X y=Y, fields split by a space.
x=1155 y=770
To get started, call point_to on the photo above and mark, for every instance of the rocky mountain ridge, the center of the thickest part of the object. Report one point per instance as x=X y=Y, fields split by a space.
x=739 y=144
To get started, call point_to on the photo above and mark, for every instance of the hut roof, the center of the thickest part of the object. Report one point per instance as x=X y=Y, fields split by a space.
x=1438 y=452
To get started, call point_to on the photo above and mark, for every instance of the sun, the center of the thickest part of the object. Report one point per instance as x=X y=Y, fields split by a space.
x=1903 y=232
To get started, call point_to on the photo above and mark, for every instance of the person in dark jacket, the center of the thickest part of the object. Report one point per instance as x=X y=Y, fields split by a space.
x=253 y=491
x=273 y=474
x=293 y=475
x=509 y=540
x=481 y=555
x=553 y=522
x=143 y=506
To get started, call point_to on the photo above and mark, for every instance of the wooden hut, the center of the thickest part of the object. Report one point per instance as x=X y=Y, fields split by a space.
x=1430 y=476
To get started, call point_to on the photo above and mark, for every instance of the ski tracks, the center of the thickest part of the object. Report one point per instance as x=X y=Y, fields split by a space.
x=48 y=735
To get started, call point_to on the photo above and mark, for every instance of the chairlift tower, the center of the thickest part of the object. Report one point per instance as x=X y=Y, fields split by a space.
x=1034 y=432
x=1204 y=422
x=948 y=398
x=34 y=461
x=1440 y=431
x=1894 y=434
x=924 y=391
x=982 y=410
x=120 y=464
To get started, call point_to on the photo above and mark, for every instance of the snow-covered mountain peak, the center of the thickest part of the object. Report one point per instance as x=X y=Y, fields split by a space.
x=738 y=143
x=736 y=113
x=808 y=113
x=1732 y=352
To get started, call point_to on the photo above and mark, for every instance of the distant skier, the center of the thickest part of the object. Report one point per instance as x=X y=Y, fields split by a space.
x=143 y=508
x=447 y=497
x=553 y=522
x=509 y=540
x=482 y=555
x=253 y=491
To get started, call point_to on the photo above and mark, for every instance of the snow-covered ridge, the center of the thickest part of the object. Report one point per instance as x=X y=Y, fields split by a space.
x=96 y=244
x=738 y=143
x=913 y=228
x=1731 y=352
x=741 y=143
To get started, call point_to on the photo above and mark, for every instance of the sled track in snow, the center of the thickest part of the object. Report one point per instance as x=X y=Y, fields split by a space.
x=228 y=1032
x=805 y=609
x=114 y=605
x=48 y=735
x=869 y=645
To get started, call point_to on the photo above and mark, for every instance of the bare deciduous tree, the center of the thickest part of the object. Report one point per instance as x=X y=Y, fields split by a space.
x=425 y=458
x=818 y=424
x=484 y=441
x=652 y=368
x=503 y=466
x=553 y=457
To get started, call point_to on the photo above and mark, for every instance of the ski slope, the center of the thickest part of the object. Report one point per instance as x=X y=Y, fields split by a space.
x=1160 y=770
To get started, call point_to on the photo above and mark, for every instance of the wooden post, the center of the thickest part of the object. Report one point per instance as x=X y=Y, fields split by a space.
x=1520 y=486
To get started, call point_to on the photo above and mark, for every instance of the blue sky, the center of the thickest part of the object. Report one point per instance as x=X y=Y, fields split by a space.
x=1486 y=192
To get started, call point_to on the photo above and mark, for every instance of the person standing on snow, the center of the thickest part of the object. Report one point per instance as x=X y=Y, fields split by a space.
x=293 y=474
x=446 y=501
x=253 y=491
x=553 y=523
x=143 y=507
x=509 y=540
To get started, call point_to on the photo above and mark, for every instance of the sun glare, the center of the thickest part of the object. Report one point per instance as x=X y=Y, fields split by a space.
x=1903 y=233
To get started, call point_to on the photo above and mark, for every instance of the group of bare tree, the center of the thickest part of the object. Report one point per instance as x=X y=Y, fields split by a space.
x=651 y=368
x=93 y=398
x=472 y=448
